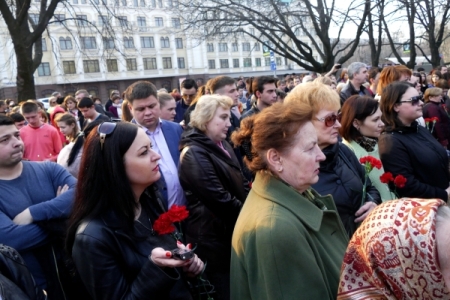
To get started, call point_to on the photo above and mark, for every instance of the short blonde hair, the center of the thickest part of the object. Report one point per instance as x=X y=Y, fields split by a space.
x=430 y=92
x=317 y=95
x=206 y=108
x=324 y=80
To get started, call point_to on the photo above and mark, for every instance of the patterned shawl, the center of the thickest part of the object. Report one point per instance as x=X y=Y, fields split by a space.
x=393 y=254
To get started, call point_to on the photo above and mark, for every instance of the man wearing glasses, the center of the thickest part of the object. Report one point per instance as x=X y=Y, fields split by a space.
x=188 y=93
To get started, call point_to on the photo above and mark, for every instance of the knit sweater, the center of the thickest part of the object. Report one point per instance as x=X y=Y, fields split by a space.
x=41 y=143
x=375 y=174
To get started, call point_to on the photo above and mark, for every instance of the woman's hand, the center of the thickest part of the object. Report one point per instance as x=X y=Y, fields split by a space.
x=195 y=266
x=163 y=258
x=364 y=211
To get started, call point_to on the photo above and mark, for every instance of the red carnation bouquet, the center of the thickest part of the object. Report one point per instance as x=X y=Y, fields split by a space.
x=369 y=163
x=393 y=183
x=165 y=223
x=429 y=121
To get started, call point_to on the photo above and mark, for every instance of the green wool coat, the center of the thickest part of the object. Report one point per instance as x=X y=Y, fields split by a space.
x=284 y=246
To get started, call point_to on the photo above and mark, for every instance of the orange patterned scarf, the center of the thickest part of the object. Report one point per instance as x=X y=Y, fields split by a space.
x=393 y=254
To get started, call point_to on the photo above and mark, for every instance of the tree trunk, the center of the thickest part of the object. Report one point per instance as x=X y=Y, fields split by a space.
x=25 y=78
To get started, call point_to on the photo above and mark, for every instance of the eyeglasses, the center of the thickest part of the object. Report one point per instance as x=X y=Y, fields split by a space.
x=330 y=120
x=105 y=129
x=414 y=100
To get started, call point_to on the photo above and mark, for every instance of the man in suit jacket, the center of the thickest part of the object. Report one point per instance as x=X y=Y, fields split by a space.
x=164 y=135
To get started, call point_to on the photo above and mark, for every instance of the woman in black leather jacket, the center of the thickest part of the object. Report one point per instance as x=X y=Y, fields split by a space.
x=341 y=174
x=115 y=250
x=214 y=185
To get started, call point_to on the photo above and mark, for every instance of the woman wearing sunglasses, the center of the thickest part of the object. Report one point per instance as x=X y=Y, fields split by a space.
x=410 y=150
x=111 y=237
x=361 y=127
x=341 y=174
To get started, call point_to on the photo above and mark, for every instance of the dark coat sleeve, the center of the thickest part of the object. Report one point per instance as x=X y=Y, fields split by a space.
x=396 y=159
x=198 y=175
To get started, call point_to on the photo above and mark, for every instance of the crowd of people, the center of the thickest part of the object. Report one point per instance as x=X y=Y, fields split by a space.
x=257 y=188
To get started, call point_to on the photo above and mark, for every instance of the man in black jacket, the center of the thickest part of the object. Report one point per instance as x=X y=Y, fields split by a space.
x=265 y=93
x=357 y=74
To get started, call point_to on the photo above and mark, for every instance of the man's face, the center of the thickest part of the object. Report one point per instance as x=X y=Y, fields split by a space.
x=291 y=84
x=188 y=95
x=444 y=92
x=88 y=112
x=11 y=146
x=413 y=80
x=19 y=124
x=444 y=70
x=268 y=95
x=146 y=111
x=296 y=81
x=361 y=76
x=168 y=110
x=3 y=109
x=230 y=91
x=33 y=118
x=240 y=92
x=282 y=86
x=81 y=96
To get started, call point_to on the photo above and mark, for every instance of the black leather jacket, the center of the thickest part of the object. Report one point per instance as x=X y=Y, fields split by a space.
x=349 y=90
x=344 y=183
x=113 y=261
x=215 y=190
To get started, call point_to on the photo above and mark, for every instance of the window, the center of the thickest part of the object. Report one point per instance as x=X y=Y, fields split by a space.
x=169 y=3
x=257 y=47
x=160 y=4
x=142 y=2
x=223 y=47
x=179 y=43
x=165 y=42
x=234 y=47
x=154 y=3
x=246 y=47
x=83 y=1
x=131 y=64
x=96 y=2
x=60 y=19
x=75 y=1
x=224 y=63
x=135 y=3
x=210 y=47
x=34 y=18
x=279 y=62
x=103 y=20
x=247 y=62
x=91 y=66
x=69 y=67
x=44 y=69
x=258 y=62
x=211 y=64
x=180 y=63
x=167 y=62
x=44 y=45
x=124 y=2
x=235 y=62
x=88 y=42
x=128 y=42
x=108 y=43
x=252 y=31
x=176 y=23
x=150 y=63
x=159 y=22
x=123 y=21
x=65 y=43
x=111 y=65
x=82 y=20
x=141 y=22
x=267 y=59
x=147 y=42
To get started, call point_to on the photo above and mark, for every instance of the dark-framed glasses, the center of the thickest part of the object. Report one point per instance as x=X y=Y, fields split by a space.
x=330 y=120
x=414 y=100
x=105 y=129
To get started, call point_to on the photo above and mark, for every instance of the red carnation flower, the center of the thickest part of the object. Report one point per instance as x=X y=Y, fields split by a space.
x=400 y=181
x=386 y=177
x=434 y=119
x=164 y=224
x=427 y=120
x=374 y=163
x=177 y=213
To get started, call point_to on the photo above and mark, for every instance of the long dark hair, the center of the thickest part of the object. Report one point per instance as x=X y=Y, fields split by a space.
x=389 y=99
x=79 y=141
x=359 y=108
x=102 y=182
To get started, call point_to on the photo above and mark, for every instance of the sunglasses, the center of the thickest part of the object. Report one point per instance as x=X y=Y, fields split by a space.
x=105 y=129
x=330 y=120
x=414 y=100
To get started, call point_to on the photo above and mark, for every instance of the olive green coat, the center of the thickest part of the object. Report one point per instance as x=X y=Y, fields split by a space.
x=284 y=246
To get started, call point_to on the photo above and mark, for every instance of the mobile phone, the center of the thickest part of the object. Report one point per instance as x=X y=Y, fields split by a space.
x=182 y=254
x=338 y=66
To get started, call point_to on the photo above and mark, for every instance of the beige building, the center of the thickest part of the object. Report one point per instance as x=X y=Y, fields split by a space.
x=101 y=48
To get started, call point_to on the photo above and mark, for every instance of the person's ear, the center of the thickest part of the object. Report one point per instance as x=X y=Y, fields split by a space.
x=274 y=160
x=258 y=94
x=356 y=123
x=397 y=107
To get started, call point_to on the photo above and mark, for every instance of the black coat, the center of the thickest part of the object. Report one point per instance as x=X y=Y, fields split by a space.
x=414 y=153
x=215 y=191
x=344 y=183
x=349 y=90
x=113 y=262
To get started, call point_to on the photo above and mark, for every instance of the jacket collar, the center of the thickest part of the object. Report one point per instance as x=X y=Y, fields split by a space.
x=272 y=189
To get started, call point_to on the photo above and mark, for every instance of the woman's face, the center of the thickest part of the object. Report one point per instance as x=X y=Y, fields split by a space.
x=435 y=98
x=407 y=112
x=326 y=135
x=418 y=87
x=435 y=77
x=66 y=129
x=424 y=77
x=371 y=126
x=304 y=155
x=71 y=105
x=141 y=162
x=217 y=128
